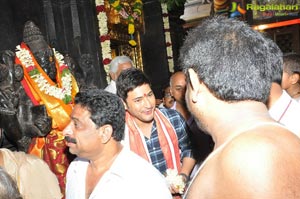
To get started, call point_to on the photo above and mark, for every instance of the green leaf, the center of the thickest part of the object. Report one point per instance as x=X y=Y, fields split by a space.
x=67 y=99
x=64 y=72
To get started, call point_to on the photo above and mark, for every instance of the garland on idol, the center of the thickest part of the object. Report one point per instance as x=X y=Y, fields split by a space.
x=166 y=23
x=63 y=92
x=104 y=37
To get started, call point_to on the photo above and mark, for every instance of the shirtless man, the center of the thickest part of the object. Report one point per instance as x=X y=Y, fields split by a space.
x=228 y=66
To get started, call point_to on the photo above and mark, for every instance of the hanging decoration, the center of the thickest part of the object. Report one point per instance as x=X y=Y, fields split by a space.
x=130 y=18
x=104 y=37
x=165 y=17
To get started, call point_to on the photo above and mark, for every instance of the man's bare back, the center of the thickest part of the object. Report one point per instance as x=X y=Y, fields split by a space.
x=263 y=162
x=230 y=68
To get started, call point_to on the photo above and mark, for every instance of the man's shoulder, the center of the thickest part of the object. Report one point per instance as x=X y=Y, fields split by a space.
x=260 y=148
x=265 y=135
x=128 y=166
x=169 y=112
x=255 y=159
x=149 y=176
x=133 y=162
x=111 y=87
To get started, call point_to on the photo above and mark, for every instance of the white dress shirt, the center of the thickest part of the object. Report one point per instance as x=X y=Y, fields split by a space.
x=130 y=176
x=112 y=88
x=287 y=112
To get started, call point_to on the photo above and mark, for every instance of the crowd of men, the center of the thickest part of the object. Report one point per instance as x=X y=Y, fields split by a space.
x=228 y=125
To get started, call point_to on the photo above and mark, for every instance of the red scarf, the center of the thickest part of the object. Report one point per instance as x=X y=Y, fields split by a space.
x=167 y=139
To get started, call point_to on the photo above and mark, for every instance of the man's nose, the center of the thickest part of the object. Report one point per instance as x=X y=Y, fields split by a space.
x=68 y=130
x=147 y=102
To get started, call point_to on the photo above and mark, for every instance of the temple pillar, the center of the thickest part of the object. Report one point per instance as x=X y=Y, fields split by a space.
x=154 y=46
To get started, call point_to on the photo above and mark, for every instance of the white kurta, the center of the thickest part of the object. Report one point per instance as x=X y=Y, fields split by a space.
x=287 y=112
x=112 y=88
x=130 y=176
x=34 y=177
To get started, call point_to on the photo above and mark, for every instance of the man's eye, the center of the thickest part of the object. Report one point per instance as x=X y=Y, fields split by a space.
x=76 y=125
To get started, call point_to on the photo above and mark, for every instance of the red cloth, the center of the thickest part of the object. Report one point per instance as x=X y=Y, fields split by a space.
x=165 y=130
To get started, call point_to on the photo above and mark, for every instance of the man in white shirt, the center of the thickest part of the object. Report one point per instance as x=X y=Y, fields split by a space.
x=117 y=65
x=291 y=75
x=33 y=176
x=282 y=107
x=104 y=168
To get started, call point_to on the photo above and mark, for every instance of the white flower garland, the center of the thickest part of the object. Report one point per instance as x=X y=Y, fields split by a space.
x=63 y=93
x=173 y=179
x=104 y=38
x=167 y=36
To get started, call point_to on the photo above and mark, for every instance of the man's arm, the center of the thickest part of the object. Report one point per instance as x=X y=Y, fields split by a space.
x=187 y=160
x=187 y=167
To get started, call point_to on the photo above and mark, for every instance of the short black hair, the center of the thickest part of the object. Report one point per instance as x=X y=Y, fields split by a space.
x=291 y=63
x=128 y=80
x=105 y=108
x=235 y=62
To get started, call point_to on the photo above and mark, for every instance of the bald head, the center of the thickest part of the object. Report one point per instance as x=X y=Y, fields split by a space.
x=178 y=86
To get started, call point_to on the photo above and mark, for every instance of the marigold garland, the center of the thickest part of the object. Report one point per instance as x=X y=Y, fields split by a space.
x=104 y=37
x=137 y=12
x=166 y=23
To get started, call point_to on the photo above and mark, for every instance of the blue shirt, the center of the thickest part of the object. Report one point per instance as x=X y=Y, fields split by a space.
x=181 y=129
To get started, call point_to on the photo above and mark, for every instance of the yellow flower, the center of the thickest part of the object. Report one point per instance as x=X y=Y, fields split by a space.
x=130 y=28
x=138 y=11
x=132 y=42
x=116 y=3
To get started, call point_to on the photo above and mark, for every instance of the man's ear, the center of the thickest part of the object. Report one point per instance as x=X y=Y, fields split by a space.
x=295 y=78
x=194 y=84
x=106 y=133
x=125 y=105
x=112 y=76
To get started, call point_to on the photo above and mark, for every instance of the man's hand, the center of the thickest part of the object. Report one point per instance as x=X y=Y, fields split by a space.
x=177 y=182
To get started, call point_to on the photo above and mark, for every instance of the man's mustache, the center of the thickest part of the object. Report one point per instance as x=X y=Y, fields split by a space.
x=71 y=140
